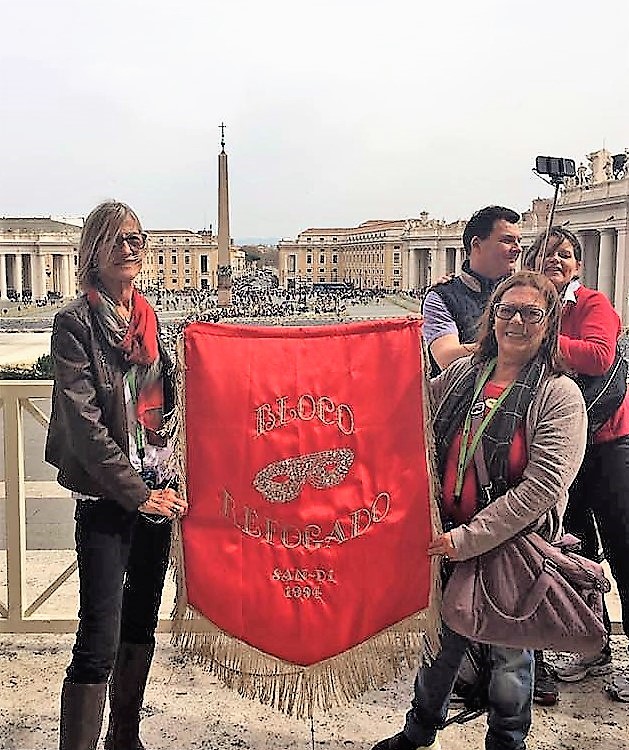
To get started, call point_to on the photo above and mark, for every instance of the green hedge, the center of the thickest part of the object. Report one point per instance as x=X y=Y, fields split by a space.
x=41 y=370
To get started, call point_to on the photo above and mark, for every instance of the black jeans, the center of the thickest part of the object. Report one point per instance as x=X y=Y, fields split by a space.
x=601 y=491
x=122 y=560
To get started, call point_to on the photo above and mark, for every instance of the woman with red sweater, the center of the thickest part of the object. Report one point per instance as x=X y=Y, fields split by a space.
x=589 y=332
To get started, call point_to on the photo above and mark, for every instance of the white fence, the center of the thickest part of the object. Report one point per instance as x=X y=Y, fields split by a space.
x=17 y=615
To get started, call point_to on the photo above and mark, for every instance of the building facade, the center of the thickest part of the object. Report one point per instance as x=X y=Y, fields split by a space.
x=402 y=254
x=179 y=259
x=410 y=254
x=39 y=258
x=595 y=206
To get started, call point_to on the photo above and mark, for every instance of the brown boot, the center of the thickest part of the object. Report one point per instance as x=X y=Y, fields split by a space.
x=81 y=715
x=126 y=693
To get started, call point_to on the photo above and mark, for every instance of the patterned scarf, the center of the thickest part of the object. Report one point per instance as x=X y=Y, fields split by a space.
x=137 y=342
x=498 y=436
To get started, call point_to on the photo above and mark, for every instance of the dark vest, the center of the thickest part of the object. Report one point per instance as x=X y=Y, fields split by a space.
x=466 y=297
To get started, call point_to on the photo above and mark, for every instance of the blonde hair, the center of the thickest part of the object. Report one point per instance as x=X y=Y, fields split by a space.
x=99 y=233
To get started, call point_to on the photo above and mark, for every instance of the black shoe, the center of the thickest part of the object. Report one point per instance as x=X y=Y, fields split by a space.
x=545 y=692
x=397 y=742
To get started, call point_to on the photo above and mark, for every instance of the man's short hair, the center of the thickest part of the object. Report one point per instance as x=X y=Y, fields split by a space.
x=482 y=223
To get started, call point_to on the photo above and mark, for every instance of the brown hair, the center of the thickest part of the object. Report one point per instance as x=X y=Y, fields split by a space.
x=560 y=233
x=97 y=239
x=549 y=350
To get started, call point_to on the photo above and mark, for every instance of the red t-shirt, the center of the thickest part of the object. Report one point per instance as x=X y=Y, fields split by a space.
x=463 y=511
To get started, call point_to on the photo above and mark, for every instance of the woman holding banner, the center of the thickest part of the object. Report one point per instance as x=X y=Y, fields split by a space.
x=589 y=333
x=532 y=435
x=112 y=388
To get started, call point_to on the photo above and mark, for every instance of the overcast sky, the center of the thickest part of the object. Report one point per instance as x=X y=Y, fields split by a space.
x=337 y=111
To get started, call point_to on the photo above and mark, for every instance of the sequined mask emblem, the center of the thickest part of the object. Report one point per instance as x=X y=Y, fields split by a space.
x=282 y=481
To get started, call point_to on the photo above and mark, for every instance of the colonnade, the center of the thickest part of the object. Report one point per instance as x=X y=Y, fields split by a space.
x=604 y=264
x=31 y=274
x=423 y=266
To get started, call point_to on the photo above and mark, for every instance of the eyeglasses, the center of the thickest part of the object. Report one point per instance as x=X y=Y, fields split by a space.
x=528 y=313
x=135 y=240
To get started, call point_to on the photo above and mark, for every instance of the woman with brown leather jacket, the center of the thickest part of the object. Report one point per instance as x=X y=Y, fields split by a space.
x=112 y=388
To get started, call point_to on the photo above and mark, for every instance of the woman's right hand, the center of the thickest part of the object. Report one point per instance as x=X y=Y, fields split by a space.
x=164 y=503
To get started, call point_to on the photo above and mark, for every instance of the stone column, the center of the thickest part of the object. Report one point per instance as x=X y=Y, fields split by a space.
x=589 y=274
x=17 y=274
x=619 y=276
x=622 y=279
x=39 y=276
x=458 y=260
x=71 y=276
x=3 y=276
x=65 y=276
x=606 y=263
x=438 y=263
x=413 y=270
x=406 y=262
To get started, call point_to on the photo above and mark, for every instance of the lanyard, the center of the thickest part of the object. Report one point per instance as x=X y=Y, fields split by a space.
x=466 y=452
x=139 y=430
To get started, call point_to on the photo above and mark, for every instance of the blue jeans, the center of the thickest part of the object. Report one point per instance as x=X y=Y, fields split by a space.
x=510 y=694
x=122 y=560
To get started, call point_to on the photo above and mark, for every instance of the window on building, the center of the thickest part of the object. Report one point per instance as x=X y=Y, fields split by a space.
x=204 y=284
x=187 y=260
x=321 y=278
x=322 y=258
x=160 y=260
x=396 y=257
x=309 y=258
x=291 y=263
x=174 y=240
x=396 y=282
x=173 y=260
x=335 y=258
x=204 y=264
x=396 y=271
x=161 y=239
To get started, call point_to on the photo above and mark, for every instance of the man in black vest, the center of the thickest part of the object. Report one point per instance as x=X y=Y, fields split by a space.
x=491 y=239
x=451 y=311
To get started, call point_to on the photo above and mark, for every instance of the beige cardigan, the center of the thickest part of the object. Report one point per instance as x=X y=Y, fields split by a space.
x=555 y=433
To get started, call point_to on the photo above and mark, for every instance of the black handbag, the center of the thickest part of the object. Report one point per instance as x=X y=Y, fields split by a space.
x=603 y=394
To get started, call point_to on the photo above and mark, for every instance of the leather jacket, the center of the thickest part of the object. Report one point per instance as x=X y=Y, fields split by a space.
x=88 y=438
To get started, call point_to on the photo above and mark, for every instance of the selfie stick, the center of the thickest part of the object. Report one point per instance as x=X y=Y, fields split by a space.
x=539 y=264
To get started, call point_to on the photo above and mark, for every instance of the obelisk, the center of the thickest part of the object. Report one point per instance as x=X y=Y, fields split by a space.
x=224 y=263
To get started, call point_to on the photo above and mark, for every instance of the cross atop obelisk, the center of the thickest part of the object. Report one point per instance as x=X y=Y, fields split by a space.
x=222 y=126
x=224 y=263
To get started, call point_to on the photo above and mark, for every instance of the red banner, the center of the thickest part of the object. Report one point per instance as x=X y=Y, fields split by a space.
x=307 y=482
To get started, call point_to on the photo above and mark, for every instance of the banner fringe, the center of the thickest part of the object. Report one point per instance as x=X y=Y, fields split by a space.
x=290 y=688
x=299 y=690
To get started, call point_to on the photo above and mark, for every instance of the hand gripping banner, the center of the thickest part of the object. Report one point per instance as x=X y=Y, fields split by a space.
x=303 y=577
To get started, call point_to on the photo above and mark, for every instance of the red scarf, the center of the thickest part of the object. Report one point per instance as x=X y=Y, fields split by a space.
x=137 y=339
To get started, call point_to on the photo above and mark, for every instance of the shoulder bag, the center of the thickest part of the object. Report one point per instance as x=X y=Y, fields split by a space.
x=528 y=593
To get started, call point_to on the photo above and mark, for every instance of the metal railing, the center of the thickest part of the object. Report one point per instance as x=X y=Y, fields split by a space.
x=16 y=616
x=16 y=397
